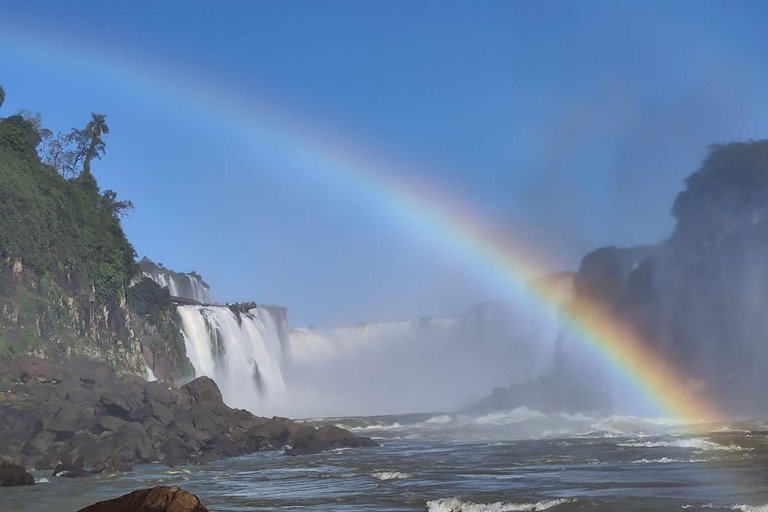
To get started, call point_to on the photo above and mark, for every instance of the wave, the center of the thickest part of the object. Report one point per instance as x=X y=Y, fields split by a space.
x=690 y=443
x=42 y=480
x=462 y=505
x=666 y=460
x=741 y=508
x=517 y=415
x=439 y=420
x=391 y=475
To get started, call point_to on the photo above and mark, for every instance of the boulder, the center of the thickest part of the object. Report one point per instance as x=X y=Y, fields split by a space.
x=156 y=499
x=81 y=411
x=202 y=389
x=13 y=474
x=303 y=447
x=161 y=412
x=110 y=423
x=71 y=470
x=331 y=434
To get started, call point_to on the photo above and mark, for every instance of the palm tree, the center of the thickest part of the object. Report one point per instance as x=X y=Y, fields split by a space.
x=96 y=128
x=2 y=95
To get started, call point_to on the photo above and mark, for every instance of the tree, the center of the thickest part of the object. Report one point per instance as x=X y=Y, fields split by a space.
x=95 y=129
x=110 y=204
x=2 y=95
x=65 y=152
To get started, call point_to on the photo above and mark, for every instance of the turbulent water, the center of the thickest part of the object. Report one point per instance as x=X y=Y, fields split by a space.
x=511 y=461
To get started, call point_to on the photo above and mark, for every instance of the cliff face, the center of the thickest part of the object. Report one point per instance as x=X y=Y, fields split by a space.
x=699 y=298
x=44 y=319
x=66 y=268
x=702 y=295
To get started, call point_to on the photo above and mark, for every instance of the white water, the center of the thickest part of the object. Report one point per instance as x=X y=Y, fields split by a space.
x=430 y=364
x=244 y=356
x=394 y=367
x=187 y=286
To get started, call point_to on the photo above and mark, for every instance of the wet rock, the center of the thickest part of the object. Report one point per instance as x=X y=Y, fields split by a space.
x=332 y=434
x=303 y=447
x=13 y=474
x=54 y=419
x=156 y=499
x=71 y=470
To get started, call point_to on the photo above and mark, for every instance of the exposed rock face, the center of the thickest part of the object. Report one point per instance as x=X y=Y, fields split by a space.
x=156 y=499
x=81 y=418
x=13 y=474
x=58 y=320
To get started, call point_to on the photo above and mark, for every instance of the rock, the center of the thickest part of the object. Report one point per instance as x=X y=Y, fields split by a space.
x=13 y=474
x=159 y=393
x=111 y=423
x=71 y=470
x=202 y=389
x=332 y=434
x=281 y=429
x=53 y=417
x=303 y=447
x=161 y=412
x=116 y=405
x=156 y=499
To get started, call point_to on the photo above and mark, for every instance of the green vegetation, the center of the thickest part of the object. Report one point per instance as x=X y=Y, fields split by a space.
x=150 y=301
x=65 y=227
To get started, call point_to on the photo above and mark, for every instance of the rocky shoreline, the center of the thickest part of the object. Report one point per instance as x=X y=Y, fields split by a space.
x=80 y=418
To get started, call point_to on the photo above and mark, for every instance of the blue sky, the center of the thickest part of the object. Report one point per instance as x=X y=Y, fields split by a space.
x=574 y=122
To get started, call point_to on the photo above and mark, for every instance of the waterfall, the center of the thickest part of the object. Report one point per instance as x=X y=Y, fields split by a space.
x=188 y=286
x=244 y=353
x=428 y=364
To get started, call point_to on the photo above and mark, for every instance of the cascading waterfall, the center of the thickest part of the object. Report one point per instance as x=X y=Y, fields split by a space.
x=182 y=285
x=243 y=352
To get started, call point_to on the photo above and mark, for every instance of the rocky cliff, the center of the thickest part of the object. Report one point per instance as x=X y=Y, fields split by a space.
x=699 y=298
x=66 y=268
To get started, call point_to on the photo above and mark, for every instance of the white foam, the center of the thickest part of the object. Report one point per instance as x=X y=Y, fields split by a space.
x=461 y=505
x=177 y=472
x=517 y=415
x=691 y=443
x=391 y=475
x=42 y=480
x=439 y=420
x=741 y=508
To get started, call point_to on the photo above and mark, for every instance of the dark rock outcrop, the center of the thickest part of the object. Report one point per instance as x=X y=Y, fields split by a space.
x=156 y=499
x=81 y=418
x=13 y=474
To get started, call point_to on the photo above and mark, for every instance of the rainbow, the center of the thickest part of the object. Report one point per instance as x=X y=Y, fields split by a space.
x=414 y=203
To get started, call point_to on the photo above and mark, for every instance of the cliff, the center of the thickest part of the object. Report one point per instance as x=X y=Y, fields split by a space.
x=66 y=267
x=699 y=298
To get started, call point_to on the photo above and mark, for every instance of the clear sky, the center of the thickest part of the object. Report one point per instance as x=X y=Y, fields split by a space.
x=572 y=122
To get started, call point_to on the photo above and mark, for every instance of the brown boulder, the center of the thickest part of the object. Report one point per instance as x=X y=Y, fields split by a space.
x=156 y=499
x=13 y=474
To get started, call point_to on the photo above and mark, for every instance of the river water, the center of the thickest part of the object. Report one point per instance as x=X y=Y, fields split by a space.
x=519 y=460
